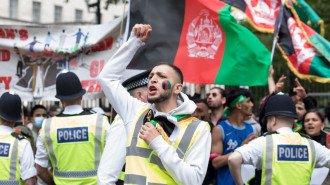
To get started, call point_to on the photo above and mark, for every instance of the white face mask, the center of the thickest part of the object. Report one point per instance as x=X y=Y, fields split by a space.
x=38 y=121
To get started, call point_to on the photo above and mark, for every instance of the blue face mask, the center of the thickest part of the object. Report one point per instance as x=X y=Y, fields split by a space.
x=38 y=121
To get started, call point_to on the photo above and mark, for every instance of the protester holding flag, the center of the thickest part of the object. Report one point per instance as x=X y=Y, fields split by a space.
x=149 y=158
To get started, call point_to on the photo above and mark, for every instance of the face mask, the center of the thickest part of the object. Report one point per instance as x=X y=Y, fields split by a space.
x=38 y=121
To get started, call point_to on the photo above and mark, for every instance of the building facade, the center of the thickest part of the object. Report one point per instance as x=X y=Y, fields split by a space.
x=37 y=12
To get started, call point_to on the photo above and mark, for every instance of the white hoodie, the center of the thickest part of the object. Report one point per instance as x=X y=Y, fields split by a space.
x=190 y=171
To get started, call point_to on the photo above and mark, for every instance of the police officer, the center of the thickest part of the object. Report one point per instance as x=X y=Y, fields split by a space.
x=16 y=155
x=73 y=141
x=109 y=169
x=281 y=157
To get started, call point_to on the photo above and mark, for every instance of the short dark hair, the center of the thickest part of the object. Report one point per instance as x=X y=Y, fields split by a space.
x=222 y=91
x=198 y=100
x=38 y=107
x=175 y=68
x=234 y=93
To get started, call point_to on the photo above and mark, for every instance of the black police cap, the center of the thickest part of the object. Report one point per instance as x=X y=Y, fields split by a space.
x=10 y=107
x=281 y=105
x=68 y=86
x=137 y=81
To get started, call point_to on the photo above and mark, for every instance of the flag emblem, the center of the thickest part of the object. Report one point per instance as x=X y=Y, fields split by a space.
x=204 y=36
x=304 y=51
x=263 y=12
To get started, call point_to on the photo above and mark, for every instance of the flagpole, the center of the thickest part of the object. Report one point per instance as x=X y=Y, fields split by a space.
x=277 y=28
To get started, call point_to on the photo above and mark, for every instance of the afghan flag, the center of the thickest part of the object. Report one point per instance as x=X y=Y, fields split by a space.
x=261 y=14
x=308 y=16
x=306 y=52
x=203 y=40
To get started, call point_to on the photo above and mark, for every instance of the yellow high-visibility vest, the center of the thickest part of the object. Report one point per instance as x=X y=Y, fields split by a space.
x=9 y=163
x=75 y=145
x=287 y=159
x=143 y=166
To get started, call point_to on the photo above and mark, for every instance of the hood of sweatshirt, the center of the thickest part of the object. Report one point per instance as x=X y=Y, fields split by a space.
x=185 y=106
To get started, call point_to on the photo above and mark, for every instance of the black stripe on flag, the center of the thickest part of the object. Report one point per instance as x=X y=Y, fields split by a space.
x=166 y=18
x=284 y=34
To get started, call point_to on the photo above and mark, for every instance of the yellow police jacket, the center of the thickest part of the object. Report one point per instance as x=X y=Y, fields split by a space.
x=9 y=163
x=287 y=159
x=75 y=145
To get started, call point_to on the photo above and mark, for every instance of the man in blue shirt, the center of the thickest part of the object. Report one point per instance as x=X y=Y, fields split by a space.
x=232 y=133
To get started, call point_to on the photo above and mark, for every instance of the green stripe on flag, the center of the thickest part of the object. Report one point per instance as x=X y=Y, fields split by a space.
x=320 y=67
x=309 y=16
x=246 y=60
x=322 y=45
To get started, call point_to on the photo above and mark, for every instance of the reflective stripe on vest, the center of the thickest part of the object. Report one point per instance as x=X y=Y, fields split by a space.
x=133 y=150
x=97 y=143
x=12 y=163
x=292 y=156
x=138 y=179
x=9 y=182
x=269 y=159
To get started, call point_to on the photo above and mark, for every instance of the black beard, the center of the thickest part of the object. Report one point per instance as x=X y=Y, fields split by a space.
x=160 y=99
x=215 y=107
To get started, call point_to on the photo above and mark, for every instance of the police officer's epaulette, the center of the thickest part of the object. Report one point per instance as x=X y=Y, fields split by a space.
x=304 y=135
x=269 y=133
x=18 y=136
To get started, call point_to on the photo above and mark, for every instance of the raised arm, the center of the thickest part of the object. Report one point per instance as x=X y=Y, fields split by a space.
x=125 y=105
x=271 y=81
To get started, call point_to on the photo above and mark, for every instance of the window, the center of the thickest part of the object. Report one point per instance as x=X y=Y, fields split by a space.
x=13 y=6
x=79 y=15
x=58 y=14
x=36 y=11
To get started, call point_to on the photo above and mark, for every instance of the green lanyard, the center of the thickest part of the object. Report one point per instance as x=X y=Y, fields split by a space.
x=178 y=118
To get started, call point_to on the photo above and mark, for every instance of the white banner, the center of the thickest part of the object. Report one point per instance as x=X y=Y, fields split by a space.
x=32 y=57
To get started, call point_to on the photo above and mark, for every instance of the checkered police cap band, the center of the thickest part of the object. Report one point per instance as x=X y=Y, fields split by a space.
x=138 y=83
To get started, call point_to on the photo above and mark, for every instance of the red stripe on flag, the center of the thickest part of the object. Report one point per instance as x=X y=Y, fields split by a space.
x=310 y=32
x=202 y=42
x=302 y=68
x=304 y=52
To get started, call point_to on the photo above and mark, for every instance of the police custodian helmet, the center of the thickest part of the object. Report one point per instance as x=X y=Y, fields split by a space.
x=281 y=105
x=10 y=107
x=68 y=86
